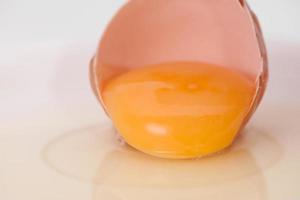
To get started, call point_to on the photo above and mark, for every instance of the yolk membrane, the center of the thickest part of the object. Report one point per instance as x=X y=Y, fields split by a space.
x=178 y=110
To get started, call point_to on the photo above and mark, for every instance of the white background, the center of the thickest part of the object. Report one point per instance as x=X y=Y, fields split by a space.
x=45 y=47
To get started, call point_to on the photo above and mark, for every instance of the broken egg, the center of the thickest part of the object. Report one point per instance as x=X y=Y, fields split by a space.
x=180 y=79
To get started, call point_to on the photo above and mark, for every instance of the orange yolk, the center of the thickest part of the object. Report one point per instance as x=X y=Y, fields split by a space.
x=178 y=110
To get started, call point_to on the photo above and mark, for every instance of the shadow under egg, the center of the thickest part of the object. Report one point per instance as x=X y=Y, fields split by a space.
x=93 y=154
x=128 y=174
x=184 y=182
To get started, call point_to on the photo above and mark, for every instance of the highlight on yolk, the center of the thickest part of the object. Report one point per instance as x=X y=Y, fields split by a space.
x=179 y=110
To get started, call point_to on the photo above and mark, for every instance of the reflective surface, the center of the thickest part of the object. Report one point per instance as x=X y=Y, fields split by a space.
x=115 y=169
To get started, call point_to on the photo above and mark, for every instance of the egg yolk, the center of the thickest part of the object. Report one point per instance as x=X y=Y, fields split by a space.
x=178 y=110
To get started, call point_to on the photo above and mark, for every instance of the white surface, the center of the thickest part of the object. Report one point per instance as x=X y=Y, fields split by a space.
x=45 y=47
